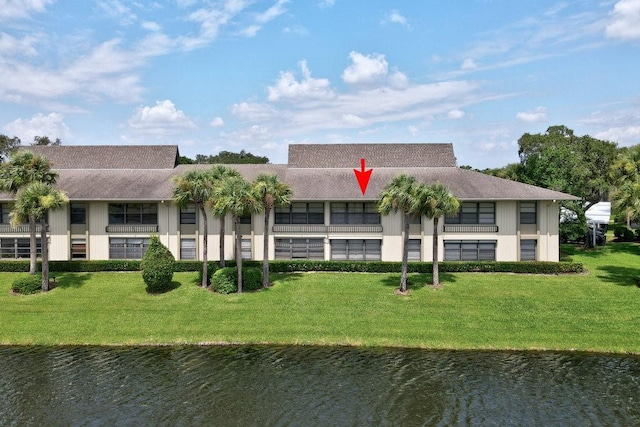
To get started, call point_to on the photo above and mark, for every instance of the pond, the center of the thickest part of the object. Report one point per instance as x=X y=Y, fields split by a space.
x=271 y=385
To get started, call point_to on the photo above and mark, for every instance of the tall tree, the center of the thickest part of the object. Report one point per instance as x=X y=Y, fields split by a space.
x=561 y=161
x=45 y=140
x=196 y=187
x=220 y=174
x=36 y=200
x=401 y=195
x=8 y=146
x=271 y=192
x=436 y=201
x=24 y=169
x=625 y=173
x=235 y=196
x=228 y=157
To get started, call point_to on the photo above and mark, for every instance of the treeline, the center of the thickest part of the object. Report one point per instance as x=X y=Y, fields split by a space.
x=225 y=157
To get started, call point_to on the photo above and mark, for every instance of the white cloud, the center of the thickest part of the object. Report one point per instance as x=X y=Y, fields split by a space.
x=262 y=18
x=12 y=46
x=217 y=122
x=252 y=111
x=398 y=80
x=16 y=9
x=536 y=116
x=287 y=87
x=296 y=29
x=413 y=130
x=211 y=20
x=365 y=69
x=151 y=26
x=327 y=3
x=116 y=9
x=625 y=20
x=161 y=119
x=396 y=18
x=625 y=135
x=468 y=65
x=455 y=114
x=51 y=125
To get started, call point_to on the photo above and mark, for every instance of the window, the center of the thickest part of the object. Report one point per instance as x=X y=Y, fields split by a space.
x=415 y=219
x=17 y=248
x=474 y=213
x=245 y=219
x=356 y=250
x=354 y=213
x=300 y=249
x=528 y=212
x=78 y=212
x=300 y=213
x=528 y=250
x=78 y=249
x=133 y=213
x=414 y=249
x=470 y=250
x=188 y=214
x=187 y=248
x=245 y=248
x=127 y=248
x=5 y=210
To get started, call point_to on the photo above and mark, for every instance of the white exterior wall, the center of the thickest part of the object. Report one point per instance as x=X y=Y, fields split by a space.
x=98 y=218
x=59 y=243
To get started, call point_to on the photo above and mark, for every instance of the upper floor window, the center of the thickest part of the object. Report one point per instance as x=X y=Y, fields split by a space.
x=245 y=219
x=528 y=212
x=133 y=213
x=188 y=214
x=300 y=213
x=474 y=213
x=78 y=213
x=5 y=211
x=355 y=213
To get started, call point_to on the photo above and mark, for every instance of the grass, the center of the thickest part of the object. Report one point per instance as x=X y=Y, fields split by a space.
x=595 y=311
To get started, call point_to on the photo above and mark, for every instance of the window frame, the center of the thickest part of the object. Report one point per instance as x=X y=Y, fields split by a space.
x=133 y=213
x=355 y=213
x=300 y=213
x=528 y=217
x=474 y=213
x=470 y=250
x=299 y=248
x=356 y=249
x=189 y=215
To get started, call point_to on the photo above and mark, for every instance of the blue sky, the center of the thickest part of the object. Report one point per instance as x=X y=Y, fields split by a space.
x=259 y=75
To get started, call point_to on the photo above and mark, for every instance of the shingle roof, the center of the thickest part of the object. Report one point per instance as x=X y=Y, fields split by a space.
x=109 y=156
x=376 y=155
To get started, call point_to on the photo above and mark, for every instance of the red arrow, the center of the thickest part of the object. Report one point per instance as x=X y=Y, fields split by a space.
x=363 y=176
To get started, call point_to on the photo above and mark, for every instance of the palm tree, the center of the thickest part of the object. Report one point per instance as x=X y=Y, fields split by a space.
x=625 y=173
x=437 y=201
x=235 y=196
x=35 y=201
x=24 y=169
x=626 y=198
x=271 y=192
x=220 y=174
x=196 y=187
x=399 y=195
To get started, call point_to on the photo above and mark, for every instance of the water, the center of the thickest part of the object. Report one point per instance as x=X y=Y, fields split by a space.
x=259 y=385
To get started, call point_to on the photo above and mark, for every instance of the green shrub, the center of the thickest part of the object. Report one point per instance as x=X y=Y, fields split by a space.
x=624 y=234
x=29 y=284
x=157 y=266
x=225 y=280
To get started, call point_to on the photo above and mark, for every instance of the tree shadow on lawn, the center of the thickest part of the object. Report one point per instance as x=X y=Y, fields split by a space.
x=620 y=276
x=70 y=280
x=285 y=278
x=172 y=287
x=417 y=281
x=567 y=251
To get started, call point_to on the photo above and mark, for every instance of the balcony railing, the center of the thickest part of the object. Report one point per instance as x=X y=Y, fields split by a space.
x=132 y=228
x=23 y=228
x=470 y=228
x=335 y=228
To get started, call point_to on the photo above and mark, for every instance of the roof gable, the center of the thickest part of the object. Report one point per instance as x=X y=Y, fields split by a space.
x=376 y=155
x=109 y=156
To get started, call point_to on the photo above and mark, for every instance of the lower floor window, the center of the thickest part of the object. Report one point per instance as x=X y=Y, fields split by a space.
x=470 y=250
x=528 y=250
x=127 y=248
x=414 y=249
x=17 y=247
x=300 y=249
x=245 y=247
x=356 y=250
x=78 y=249
x=187 y=248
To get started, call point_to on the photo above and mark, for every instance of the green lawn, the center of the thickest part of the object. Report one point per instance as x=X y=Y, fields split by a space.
x=595 y=311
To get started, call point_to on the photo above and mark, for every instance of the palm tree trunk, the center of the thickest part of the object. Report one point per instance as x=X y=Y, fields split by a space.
x=238 y=253
x=33 y=251
x=405 y=253
x=436 y=274
x=265 y=250
x=628 y=219
x=205 y=241
x=222 y=226
x=45 y=255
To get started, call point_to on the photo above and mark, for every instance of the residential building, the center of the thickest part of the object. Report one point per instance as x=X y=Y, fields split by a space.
x=121 y=195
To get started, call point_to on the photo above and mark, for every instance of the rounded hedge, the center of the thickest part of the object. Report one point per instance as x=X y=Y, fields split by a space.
x=26 y=285
x=157 y=266
x=225 y=280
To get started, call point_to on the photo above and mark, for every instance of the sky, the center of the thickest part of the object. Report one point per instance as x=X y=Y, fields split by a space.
x=258 y=75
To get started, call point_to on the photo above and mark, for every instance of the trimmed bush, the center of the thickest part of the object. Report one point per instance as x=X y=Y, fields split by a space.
x=225 y=280
x=29 y=284
x=157 y=266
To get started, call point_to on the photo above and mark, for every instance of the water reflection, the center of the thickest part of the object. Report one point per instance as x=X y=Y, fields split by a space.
x=256 y=385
